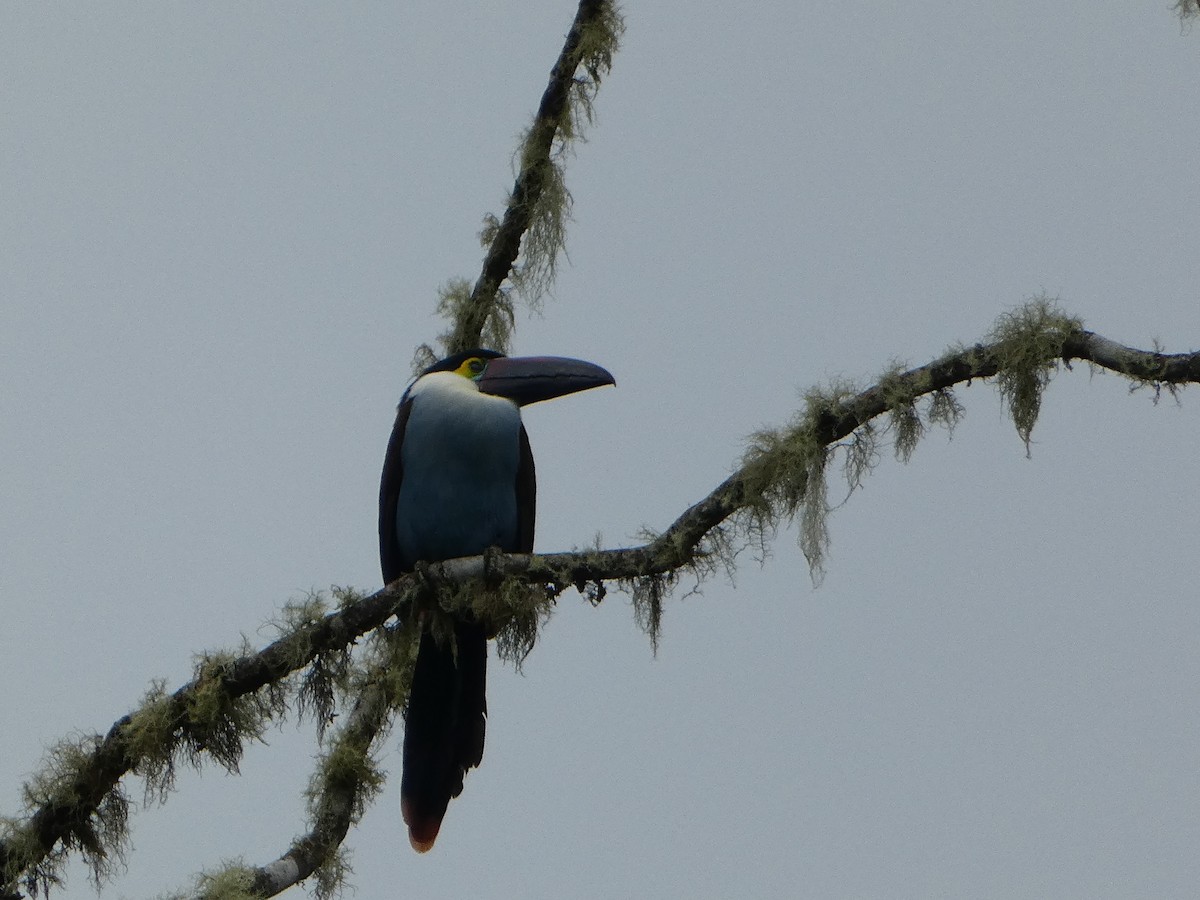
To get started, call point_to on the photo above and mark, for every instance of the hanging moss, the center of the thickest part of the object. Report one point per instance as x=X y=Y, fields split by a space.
x=234 y=881
x=332 y=876
x=904 y=422
x=862 y=455
x=423 y=357
x=907 y=430
x=326 y=676
x=387 y=662
x=1028 y=344
x=219 y=725
x=648 y=594
x=529 y=607
x=945 y=409
x=101 y=837
x=785 y=473
x=151 y=739
x=455 y=303
x=349 y=769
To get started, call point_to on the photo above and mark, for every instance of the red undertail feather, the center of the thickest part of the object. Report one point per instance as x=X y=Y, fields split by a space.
x=422 y=831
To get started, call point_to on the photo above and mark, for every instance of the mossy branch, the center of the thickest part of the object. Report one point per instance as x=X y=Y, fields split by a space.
x=78 y=804
x=345 y=783
x=540 y=203
x=72 y=806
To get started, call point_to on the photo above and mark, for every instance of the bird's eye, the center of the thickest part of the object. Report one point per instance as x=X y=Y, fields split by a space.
x=473 y=367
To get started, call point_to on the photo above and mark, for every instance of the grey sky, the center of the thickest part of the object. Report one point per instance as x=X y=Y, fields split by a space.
x=223 y=229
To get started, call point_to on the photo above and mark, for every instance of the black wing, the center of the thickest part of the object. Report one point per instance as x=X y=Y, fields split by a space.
x=526 y=498
x=389 y=495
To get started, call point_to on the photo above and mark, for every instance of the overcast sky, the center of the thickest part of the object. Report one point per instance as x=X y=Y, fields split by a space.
x=223 y=228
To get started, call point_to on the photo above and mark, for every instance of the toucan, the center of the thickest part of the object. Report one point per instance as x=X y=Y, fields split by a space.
x=458 y=480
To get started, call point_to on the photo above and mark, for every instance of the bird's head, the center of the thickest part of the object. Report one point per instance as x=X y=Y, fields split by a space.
x=523 y=379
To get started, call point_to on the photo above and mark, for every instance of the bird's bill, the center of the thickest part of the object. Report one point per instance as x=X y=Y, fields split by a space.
x=529 y=379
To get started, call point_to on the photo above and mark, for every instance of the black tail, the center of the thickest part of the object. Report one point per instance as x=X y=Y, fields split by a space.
x=444 y=728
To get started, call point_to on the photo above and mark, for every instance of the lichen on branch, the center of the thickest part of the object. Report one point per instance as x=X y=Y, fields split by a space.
x=523 y=245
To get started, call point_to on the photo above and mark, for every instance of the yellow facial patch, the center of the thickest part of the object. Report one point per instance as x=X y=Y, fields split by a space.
x=471 y=368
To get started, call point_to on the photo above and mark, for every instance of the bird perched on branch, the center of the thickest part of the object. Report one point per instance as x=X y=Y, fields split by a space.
x=457 y=480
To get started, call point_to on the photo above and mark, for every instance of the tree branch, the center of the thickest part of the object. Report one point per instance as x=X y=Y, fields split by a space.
x=339 y=795
x=590 y=43
x=68 y=815
x=764 y=489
